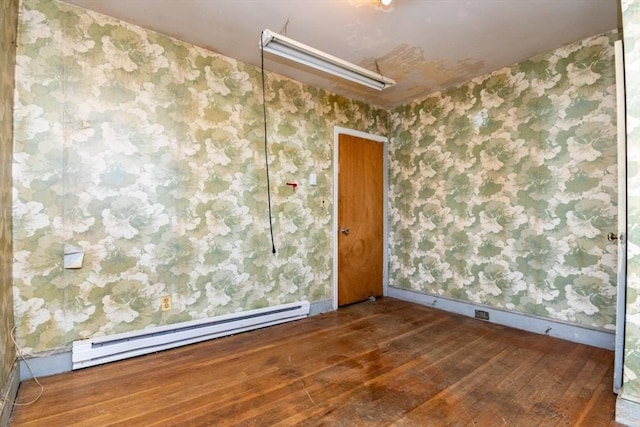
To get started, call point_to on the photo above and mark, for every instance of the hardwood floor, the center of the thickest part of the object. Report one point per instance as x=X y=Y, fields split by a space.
x=376 y=363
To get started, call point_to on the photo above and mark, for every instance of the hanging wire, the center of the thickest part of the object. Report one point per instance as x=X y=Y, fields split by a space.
x=35 y=379
x=266 y=152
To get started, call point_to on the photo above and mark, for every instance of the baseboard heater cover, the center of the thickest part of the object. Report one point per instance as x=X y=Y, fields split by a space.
x=99 y=350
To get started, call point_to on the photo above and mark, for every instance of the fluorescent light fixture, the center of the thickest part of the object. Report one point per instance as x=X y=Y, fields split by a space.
x=298 y=52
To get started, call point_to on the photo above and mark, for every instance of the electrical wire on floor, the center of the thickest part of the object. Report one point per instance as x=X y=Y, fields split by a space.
x=266 y=152
x=21 y=356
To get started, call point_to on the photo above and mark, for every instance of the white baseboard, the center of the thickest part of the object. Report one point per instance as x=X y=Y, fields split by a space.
x=571 y=332
x=9 y=394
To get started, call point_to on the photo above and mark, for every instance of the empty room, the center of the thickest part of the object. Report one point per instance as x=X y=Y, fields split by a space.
x=323 y=212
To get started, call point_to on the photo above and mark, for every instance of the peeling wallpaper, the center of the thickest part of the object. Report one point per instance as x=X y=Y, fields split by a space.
x=8 y=22
x=148 y=153
x=504 y=189
x=631 y=24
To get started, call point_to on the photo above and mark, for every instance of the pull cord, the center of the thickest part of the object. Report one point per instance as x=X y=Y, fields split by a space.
x=266 y=152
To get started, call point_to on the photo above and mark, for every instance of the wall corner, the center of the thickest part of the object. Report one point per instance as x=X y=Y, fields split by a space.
x=9 y=394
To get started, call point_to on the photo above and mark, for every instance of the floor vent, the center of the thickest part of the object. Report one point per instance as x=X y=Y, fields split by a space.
x=99 y=350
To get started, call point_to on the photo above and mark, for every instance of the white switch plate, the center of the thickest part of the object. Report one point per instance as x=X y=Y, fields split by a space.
x=313 y=179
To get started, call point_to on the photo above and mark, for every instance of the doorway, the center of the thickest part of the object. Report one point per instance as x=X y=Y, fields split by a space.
x=360 y=216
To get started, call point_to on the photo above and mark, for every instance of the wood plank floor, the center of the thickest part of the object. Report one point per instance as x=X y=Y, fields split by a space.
x=378 y=363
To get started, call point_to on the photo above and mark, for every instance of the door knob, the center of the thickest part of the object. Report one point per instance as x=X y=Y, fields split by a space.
x=344 y=231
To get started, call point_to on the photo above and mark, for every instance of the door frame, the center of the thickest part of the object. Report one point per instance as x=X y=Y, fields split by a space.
x=621 y=300
x=337 y=131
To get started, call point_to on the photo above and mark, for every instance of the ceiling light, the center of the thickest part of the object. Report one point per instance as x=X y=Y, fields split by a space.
x=295 y=51
x=386 y=2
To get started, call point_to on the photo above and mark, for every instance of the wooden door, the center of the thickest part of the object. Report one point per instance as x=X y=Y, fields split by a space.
x=360 y=218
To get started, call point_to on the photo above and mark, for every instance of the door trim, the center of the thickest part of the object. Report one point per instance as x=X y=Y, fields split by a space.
x=621 y=303
x=337 y=131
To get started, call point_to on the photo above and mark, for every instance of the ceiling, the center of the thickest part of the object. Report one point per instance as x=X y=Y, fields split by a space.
x=425 y=45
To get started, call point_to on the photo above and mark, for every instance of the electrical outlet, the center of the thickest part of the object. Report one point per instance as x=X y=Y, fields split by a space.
x=165 y=303
x=482 y=315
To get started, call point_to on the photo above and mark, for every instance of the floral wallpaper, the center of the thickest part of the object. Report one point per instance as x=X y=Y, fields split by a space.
x=504 y=188
x=631 y=25
x=8 y=23
x=148 y=153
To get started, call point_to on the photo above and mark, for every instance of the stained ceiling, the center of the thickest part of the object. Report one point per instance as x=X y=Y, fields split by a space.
x=425 y=45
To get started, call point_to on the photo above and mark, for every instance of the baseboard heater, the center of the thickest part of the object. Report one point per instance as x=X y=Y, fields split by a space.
x=99 y=350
